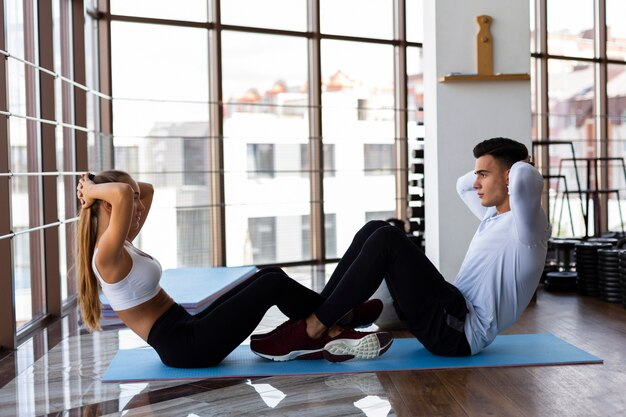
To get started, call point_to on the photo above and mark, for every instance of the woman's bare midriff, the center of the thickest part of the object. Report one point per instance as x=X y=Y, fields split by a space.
x=141 y=318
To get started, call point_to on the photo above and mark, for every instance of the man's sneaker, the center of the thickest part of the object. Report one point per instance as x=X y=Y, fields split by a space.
x=290 y=342
x=264 y=335
x=352 y=344
x=363 y=315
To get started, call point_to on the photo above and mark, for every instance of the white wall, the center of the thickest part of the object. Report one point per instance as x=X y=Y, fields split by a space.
x=459 y=115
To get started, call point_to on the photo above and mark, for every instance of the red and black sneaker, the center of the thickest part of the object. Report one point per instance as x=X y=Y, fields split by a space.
x=362 y=315
x=290 y=342
x=352 y=344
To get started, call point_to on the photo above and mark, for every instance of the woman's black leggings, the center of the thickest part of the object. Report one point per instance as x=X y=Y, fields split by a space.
x=183 y=340
x=433 y=309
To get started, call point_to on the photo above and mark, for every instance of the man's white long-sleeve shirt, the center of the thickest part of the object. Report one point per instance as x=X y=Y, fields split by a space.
x=506 y=257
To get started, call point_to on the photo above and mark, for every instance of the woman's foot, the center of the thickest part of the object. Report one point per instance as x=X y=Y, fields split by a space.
x=264 y=335
x=290 y=342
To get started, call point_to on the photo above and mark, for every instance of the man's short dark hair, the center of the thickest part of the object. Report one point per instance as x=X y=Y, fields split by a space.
x=504 y=150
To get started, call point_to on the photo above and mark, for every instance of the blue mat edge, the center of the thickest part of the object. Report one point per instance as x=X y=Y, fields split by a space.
x=206 y=373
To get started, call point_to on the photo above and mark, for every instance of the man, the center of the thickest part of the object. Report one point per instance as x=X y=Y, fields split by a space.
x=496 y=281
x=506 y=257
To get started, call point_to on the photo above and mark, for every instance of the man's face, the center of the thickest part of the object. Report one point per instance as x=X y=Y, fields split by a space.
x=491 y=183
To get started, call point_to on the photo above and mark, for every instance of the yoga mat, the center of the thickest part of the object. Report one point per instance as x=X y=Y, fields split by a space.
x=195 y=288
x=143 y=364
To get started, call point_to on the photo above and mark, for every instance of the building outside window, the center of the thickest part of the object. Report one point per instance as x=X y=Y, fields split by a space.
x=260 y=160
x=262 y=235
x=195 y=155
x=378 y=159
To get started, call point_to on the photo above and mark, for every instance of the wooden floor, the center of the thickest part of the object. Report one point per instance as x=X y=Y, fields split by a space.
x=577 y=390
x=28 y=377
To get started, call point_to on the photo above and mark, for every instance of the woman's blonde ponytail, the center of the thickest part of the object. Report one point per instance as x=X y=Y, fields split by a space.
x=88 y=286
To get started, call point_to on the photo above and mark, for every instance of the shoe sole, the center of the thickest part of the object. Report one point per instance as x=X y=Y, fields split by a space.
x=368 y=347
x=296 y=354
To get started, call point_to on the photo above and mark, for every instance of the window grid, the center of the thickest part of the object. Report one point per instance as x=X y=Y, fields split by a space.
x=54 y=85
x=77 y=133
x=313 y=35
x=598 y=137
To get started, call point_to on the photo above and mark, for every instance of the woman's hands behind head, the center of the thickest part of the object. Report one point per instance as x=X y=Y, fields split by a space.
x=82 y=191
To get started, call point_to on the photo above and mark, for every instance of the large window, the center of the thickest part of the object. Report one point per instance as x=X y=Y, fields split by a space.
x=282 y=109
x=581 y=103
x=240 y=95
x=48 y=106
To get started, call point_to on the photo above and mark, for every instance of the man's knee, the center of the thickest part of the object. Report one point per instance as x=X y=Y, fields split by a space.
x=390 y=233
x=373 y=225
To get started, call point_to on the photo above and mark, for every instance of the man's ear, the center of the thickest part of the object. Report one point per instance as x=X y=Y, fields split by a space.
x=507 y=175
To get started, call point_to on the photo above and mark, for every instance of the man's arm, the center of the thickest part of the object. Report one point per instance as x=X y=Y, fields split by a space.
x=525 y=188
x=465 y=189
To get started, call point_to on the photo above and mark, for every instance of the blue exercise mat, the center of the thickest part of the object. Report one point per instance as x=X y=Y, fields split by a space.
x=195 y=288
x=405 y=354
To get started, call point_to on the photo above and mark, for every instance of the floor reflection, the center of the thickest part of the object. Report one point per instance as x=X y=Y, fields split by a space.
x=66 y=381
x=360 y=394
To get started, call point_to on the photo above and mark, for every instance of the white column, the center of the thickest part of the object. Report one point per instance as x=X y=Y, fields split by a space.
x=459 y=115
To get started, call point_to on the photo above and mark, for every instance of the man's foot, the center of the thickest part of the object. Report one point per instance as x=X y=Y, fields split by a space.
x=352 y=344
x=290 y=342
x=270 y=333
x=363 y=315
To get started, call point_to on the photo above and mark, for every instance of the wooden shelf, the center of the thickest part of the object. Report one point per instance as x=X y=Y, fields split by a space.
x=478 y=77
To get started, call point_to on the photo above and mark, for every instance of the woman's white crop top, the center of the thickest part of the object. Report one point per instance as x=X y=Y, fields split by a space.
x=140 y=285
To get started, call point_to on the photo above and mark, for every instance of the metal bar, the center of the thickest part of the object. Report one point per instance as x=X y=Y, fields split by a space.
x=261 y=105
x=595 y=158
x=40 y=174
x=601 y=109
x=400 y=120
x=68 y=139
x=250 y=29
x=7 y=301
x=52 y=276
x=51 y=122
x=153 y=20
x=80 y=98
x=541 y=91
x=33 y=137
x=55 y=75
x=216 y=147
x=575 y=58
x=37 y=228
x=316 y=145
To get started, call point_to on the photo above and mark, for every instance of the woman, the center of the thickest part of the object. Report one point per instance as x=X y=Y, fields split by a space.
x=115 y=208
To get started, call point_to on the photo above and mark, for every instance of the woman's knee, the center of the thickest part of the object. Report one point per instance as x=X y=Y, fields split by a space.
x=271 y=270
x=272 y=278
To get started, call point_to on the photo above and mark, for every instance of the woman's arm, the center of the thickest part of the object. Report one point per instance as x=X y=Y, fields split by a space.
x=117 y=199
x=146 y=193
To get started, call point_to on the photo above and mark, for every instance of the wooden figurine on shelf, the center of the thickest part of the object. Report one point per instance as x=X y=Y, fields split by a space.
x=484 y=46
x=484 y=59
